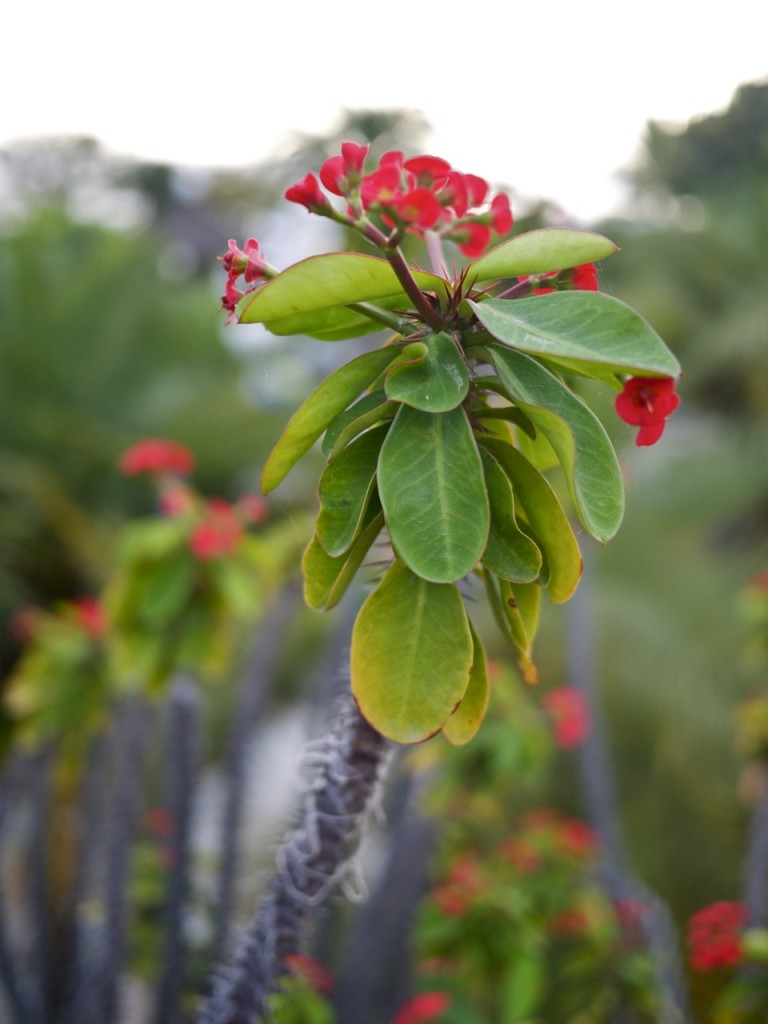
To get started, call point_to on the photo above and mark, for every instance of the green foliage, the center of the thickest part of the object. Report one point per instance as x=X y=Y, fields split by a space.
x=97 y=349
x=579 y=327
x=289 y=303
x=432 y=491
x=538 y=252
x=61 y=687
x=431 y=452
x=412 y=654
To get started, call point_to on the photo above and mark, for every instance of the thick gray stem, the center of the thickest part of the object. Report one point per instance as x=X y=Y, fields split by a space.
x=311 y=863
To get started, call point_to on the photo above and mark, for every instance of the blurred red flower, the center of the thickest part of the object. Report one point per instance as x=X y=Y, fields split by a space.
x=714 y=936
x=567 y=709
x=156 y=455
x=425 y=1007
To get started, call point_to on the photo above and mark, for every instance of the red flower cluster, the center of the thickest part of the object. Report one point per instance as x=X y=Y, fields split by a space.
x=218 y=533
x=421 y=194
x=714 y=936
x=567 y=708
x=156 y=455
x=460 y=889
x=545 y=832
x=247 y=262
x=646 y=402
x=422 y=1008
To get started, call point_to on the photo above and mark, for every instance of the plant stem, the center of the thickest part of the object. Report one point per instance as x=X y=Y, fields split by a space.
x=382 y=316
x=428 y=312
x=311 y=863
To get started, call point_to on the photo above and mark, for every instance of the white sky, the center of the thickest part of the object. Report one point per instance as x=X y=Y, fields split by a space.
x=549 y=98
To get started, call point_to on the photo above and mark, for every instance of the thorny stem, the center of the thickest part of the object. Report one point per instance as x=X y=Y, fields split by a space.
x=400 y=266
x=311 y=862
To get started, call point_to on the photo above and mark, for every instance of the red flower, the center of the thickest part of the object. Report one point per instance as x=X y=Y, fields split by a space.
x=384 y=186
x=175 y=500
x=425 y=1007
x=341 y=174
x=714 y=936
x=247 y=260
x=462 y=886
x=219 y=532
x=156 y=455
x=584 y=277
x=307 y=192
x=90 y=616
x=501 y=214
x=570 y=719
x=230 y=298
x=471 y=238
x=646 y=402
x=477 y=190
x=576 y=838
x=428 y=170
x=253 y=509
x=418 y=207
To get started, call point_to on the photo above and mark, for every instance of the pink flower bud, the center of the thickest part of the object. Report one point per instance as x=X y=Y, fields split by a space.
x=307 y=192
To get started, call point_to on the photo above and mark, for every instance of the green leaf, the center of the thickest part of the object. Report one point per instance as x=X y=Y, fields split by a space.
x=411 y=655
x=432 y=490
x=522 y=986
x=336 y=323
x=345 y=489
x=580 y=326
x=328 y=280
x=235 y=585
x=326 y=579
x=511 y=622
x=582 y=445
x=545 y=520
x=509 y=552
x=366 y=412
x=469 y=715
x=165 y=588
x=437 y=382
x=320 y=409
x=539 y=252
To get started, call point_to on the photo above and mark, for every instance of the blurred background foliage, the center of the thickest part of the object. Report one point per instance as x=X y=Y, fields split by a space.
x=109 y=331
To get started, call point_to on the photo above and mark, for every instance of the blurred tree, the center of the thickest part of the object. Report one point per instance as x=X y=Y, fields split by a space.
x=99 y=347
x=671 y=644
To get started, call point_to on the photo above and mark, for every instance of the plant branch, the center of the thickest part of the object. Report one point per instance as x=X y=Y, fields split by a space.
x=311 y=863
